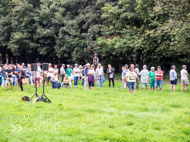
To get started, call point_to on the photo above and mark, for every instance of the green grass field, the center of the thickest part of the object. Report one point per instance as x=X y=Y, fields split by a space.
x=103 y=114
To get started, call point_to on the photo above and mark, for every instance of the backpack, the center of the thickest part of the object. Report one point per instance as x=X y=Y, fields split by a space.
x=25 y=98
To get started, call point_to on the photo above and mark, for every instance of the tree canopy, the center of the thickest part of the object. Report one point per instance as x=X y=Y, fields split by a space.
x=123 y=31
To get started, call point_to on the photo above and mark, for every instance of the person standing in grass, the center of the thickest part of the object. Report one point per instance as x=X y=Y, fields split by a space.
x=99 y=75
x=173 y=78
x=62 y=72
x=125 y=70
x=91 y=79
x=184 y=78
x=159 y=78
x=21 y=75
x=56 y=70
x=136 y=70
x=9 y=73
x=86 y=70
x=144 y=77
x=29 y=74
x=131 y=79
x=151 y=78
x=68 y=71
x=76 y=71
x=3 y=76
x=111 y=75
x=49 y=73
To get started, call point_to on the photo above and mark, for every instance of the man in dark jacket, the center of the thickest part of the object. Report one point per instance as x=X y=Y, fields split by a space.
x=111 y=75
x=21 y=75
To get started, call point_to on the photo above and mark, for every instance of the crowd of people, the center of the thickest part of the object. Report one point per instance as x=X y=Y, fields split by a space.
x=88 y=74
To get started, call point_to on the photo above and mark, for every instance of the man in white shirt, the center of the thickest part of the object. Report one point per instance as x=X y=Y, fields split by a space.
x=184 y=78
x=62 y=72
x=49 y=73
x=99 y=74
x=76 y=74
x=36 y=75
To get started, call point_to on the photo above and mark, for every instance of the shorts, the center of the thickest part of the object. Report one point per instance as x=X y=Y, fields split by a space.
x=185 y=82
x=9 y=80
x=131 y=85
x=146 y=84
x=48 y=78
x=38 y=79
x=91 y=84
x=152 y=83
x=158 y=83
x=173 y=82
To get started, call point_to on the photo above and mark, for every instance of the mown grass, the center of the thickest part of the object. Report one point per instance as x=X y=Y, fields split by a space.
x=103 y=114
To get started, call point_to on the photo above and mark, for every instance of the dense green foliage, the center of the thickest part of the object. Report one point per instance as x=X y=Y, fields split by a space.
x=104 y=114
x=123 y=31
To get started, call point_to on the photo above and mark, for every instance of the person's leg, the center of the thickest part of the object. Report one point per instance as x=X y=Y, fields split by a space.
x=160 y=84
x=21 y=85
x=7 y=84
x=100 y=79
x=113 y=82
x=2 y=81
x=171 y=87
x=156 y=85
x=182 y=88
x=129 y=86
x=31 y=80
x=39 y=82
x=90 y=84
x=62 y=77
x=174 y=88
x=142 y=86
x=186 y=88
x=137 y=83
x=70 y=85
x=109 y=82
x=83 y=81
x=93 y=86
x=74 y=80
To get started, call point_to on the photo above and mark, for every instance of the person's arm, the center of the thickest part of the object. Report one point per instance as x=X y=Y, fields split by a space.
x=175 y=75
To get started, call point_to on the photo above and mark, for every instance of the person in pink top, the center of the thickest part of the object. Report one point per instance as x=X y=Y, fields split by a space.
x=158 y=78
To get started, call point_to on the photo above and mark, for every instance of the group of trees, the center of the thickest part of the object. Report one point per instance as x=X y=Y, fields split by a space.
x=148 y=32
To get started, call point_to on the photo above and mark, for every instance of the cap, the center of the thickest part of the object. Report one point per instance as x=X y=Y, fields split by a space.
x=172 y=66
x=126 y=65
x=76 y=64
x=88 y=64
x=159 y=67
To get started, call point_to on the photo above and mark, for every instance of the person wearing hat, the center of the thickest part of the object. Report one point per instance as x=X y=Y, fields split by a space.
x=125 y=70
x=86 y=70
x=136 y=70
x=159 y=78
x=173 y=78
x=76 y=74
x=95 y=58
x=184 y=78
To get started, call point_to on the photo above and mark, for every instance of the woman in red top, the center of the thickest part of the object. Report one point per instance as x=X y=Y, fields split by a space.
x=158 y=78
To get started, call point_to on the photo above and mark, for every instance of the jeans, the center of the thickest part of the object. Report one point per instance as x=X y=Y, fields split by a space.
x=99 y=81
x=3 y=81
x=76 y=80
x=131 y=86
x=14 y=80
x=83 y=81
x=158 y=83
x=146 y=84
x=65 y=84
